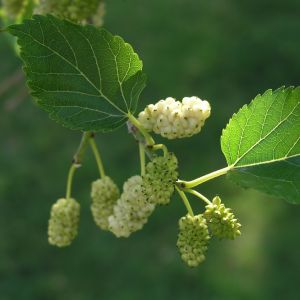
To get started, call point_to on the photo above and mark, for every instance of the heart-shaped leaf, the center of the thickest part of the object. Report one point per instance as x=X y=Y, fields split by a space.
x=83 y=76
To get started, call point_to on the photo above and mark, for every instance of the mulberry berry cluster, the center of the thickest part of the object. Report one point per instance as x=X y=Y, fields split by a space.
x=104 y=195
x=193 y=239
x=132 y=210
x=63 y=222
x=159 y=180
x=125 y=213
x=221 y=220
x=174 y=119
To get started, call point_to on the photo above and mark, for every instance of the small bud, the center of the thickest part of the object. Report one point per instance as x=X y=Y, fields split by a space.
x=159 y=180
x=104 y=195
x=193 y=239
x=132 y=210
x=63 y=222
x=174 y=119
x=221 y=220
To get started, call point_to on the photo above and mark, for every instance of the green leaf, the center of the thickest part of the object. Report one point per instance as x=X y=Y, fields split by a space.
x=262 y=144
x=83 y=76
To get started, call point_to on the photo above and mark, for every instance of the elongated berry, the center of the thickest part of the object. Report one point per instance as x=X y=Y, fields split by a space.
x=132 y=210
x=63 y=222
x=105 y=194
x=193 y=239
x=221 y=220
x=174 y=119
x=159 y=180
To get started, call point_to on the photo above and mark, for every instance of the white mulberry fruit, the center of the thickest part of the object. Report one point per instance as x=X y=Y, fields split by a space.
x=132 y=210
x=174 y=119
x=159 y=180
x=104 y=194
x=221 y=220
x=63 y=222
x=193 y=239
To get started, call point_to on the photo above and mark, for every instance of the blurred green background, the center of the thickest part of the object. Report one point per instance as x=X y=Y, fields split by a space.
x=224 y=51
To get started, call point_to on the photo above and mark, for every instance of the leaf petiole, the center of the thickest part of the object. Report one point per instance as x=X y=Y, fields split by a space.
x=193 y=183
x=138 y=125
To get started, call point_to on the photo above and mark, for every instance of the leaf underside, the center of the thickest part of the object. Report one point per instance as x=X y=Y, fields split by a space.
x=262 y=144
x=84 y=77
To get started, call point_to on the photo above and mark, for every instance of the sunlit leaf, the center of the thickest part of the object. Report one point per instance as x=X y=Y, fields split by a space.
x=83 y=76
x=262 y=144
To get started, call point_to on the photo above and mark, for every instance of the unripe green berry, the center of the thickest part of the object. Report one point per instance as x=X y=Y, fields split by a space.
x=221 y=220
x=159 y=180
x=193 y=239
x=104 y=195
x=174 y=119
x=132 y=210
x=63 y=222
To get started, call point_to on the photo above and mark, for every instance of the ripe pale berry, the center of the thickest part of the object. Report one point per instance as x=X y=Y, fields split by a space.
x=104 y=195
x=174 y=119
x=132 y=210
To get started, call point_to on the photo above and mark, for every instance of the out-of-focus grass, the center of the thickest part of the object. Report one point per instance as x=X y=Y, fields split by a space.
x=221 y=50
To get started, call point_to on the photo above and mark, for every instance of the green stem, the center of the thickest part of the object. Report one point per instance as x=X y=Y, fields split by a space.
x=97 y=157
x=190 y=184
x=70 y=180
x=77 y=160
x=185 y=201
x=142 y=159
x=199 y=195
x=160 y=147
x=78 y=157
x=138 y=125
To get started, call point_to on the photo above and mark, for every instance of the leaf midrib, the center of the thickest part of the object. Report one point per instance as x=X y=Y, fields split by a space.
x=262 y=139
x=233 y=167
x=118 y=76
x=96 y=61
